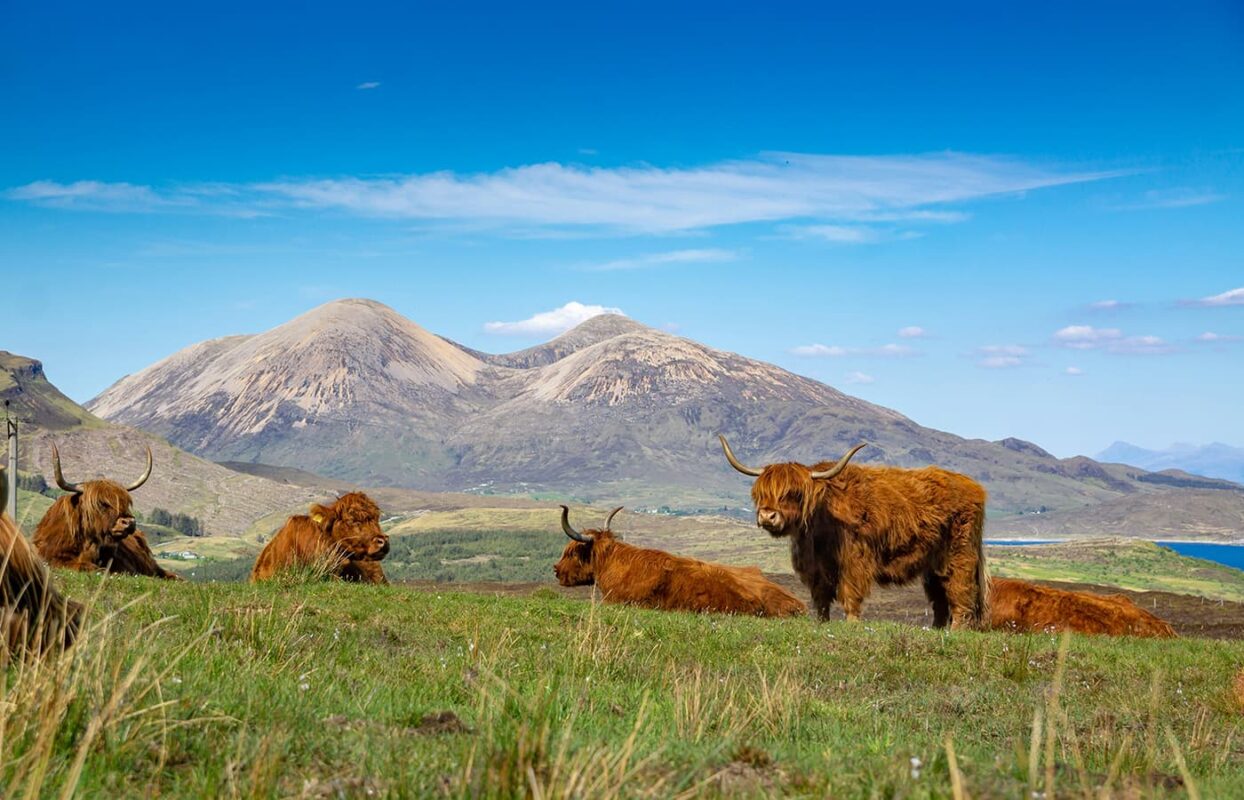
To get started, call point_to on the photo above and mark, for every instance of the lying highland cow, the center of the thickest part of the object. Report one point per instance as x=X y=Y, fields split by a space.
x=654 y=579
x=93 y=528
x=851 y=526
x=1022 y=606
x=345 y=536
x=33 y=614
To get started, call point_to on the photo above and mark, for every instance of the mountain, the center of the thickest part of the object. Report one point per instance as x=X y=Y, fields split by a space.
x=612 y=411
x=1215 y=460
x=228 y=503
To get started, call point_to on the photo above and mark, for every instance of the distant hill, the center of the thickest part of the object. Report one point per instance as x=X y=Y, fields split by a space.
x=1214 y=460
x=227 y=502
x=611 y=411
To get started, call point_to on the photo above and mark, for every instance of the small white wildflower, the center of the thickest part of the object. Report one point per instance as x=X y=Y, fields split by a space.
x=176 y=679
x=916 y=764
x=304 y=682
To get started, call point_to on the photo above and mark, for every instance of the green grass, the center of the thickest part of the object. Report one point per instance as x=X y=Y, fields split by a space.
x=322 y=689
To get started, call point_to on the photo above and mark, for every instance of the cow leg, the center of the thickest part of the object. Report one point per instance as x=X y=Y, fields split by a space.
x=935 y=590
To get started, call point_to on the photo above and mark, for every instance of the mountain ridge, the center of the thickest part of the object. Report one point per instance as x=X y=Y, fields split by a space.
x=610 y=410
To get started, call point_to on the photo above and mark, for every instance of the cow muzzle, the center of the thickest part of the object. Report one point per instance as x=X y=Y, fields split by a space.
x=123 y=527
x=771 y=520
x=379 y=547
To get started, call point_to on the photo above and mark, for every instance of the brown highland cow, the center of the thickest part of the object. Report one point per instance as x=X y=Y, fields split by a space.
x=93 y=528
x=655 y=579
x=1023 y=606
x=33 y=614
x=346 y=535
x=851 y=526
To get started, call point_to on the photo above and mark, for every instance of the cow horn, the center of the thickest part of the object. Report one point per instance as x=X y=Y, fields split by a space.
x=142 y=478
x=571 y=532
x=60 y=477
x=609 y=519
x=842 y=463
x=734 y=462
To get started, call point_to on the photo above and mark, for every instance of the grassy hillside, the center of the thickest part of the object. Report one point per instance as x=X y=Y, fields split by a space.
x=329 y=690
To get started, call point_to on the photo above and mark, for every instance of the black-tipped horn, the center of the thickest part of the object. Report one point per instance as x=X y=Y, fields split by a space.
x=734 y=462
x=142 y=478
x=571 y=532
x=60 y=477
x=609 y=519
x=842 y=463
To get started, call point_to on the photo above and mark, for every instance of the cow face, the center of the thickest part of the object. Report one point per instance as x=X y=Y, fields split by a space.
x=353 y=523
x=779 y=494
x=576 y=567
x=786 y=494
x=105 y=511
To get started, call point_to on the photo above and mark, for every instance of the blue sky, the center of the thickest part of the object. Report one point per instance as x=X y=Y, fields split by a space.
x=996 y=221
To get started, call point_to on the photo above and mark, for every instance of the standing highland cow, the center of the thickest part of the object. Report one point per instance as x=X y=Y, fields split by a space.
x=345 y=536
x=654 y=579
x=33 y=614
x=851 y=526
x=93 y=528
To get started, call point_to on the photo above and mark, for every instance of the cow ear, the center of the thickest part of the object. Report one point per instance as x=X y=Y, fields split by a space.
x=323 y=516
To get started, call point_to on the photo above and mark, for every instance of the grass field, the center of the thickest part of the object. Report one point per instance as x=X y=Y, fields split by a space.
x=319 y=689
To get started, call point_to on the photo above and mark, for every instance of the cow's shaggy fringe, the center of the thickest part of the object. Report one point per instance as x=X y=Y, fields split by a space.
x=102 y=697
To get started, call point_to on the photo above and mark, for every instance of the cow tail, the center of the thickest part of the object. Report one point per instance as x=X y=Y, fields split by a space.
x=983 y=584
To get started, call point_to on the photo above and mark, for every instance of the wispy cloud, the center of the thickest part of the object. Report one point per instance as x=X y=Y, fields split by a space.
x=859 y=378
x=365 y=85
x=1001 y=356
x=912 y=332
x=1211 y=337
x=1231 y=297
x=837 y=351
x=1180 y=197
x=773 y=187
x=839 y=234
x=1110 y=340
x=1073 y=371
x=1108 y=305
x=650 y=260
x=559 y=320
x=214 y=199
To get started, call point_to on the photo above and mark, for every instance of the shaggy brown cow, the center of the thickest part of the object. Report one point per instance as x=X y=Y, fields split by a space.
x=346 y=535
x=851 y=526
x=654 y=579
x=33 y=614
x=93 y=528
x=1022 y=606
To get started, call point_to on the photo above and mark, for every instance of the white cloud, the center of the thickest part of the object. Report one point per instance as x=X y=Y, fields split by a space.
x=365 y=85
x=660 y=259
x=1210 y=336
x=1110 y=340
x=1231 y=297
x=1073 y=371
x=559 y=320
x=773 y=187
x=1086 y=337
x=1001 y=356
x=860 y=378
x=1108 y=305
x=912 y=332
x=1180 y=197
x=840 y=234
x=836 y=351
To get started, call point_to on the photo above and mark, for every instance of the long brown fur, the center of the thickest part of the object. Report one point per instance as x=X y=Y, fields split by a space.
x=656 y=579
x=346 y=533
x=881 y=525
x=34 y=615
x=94 y=530
x=1023 y=606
